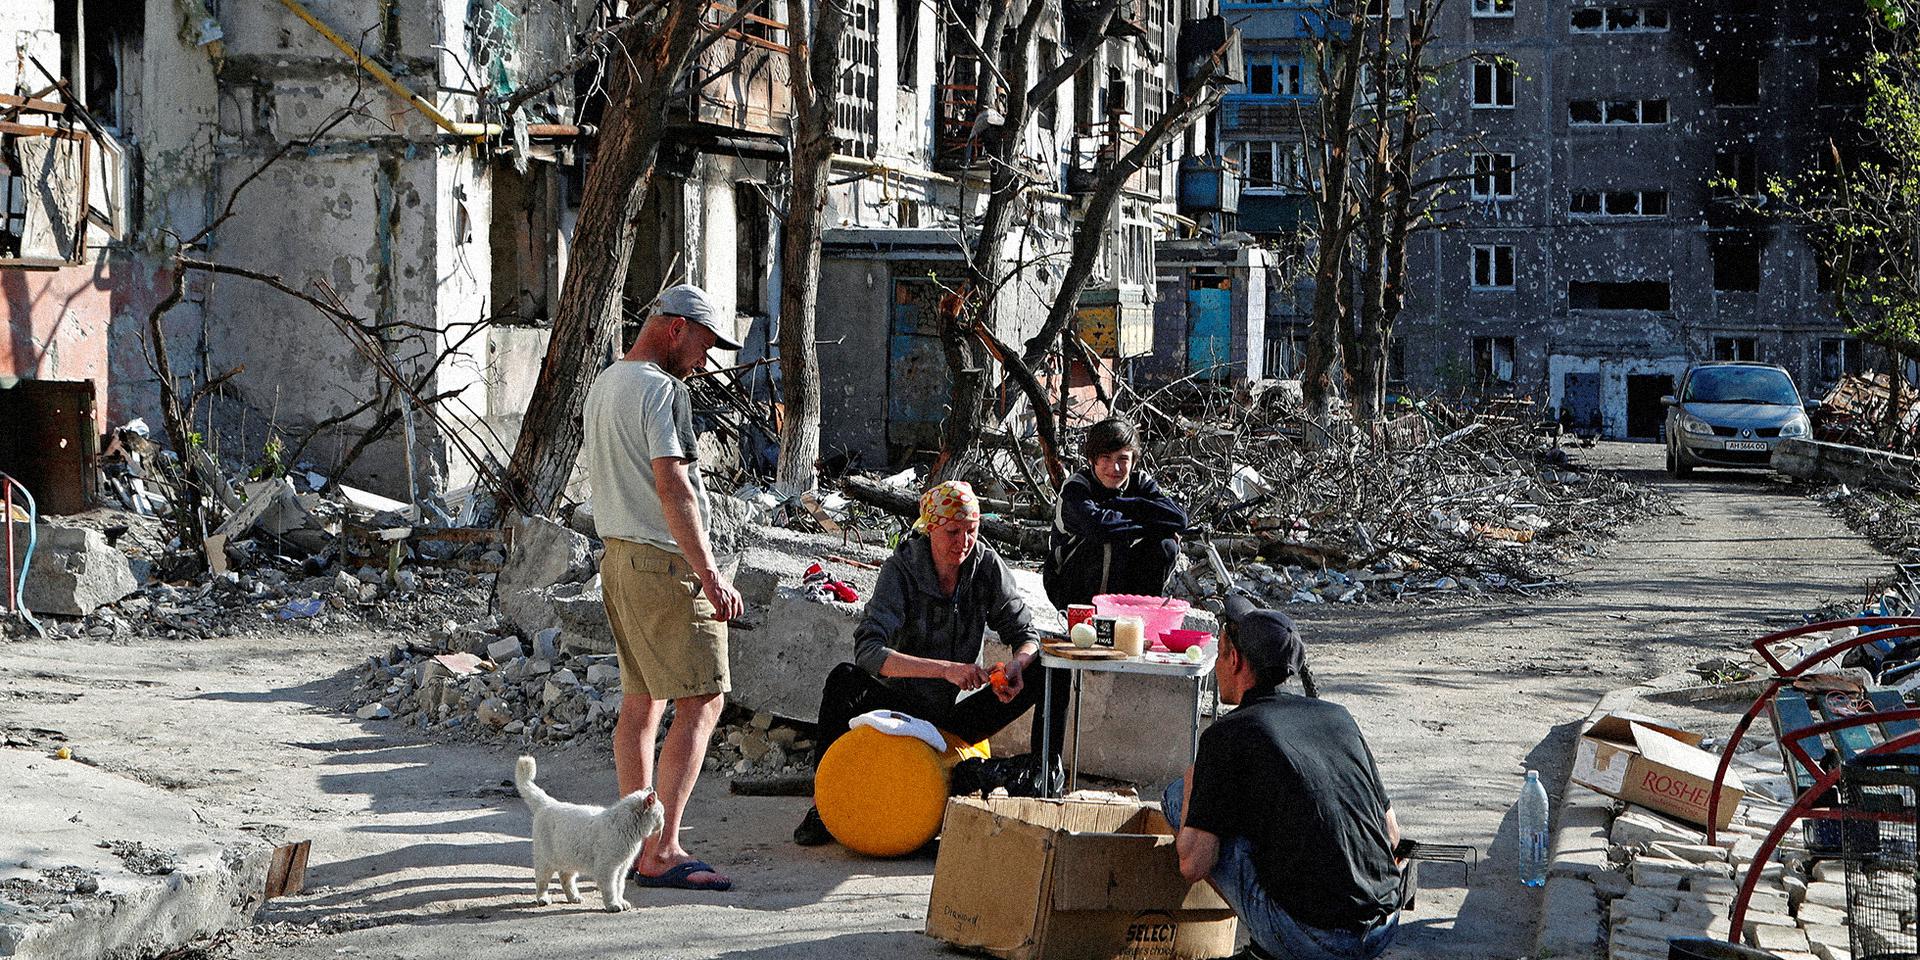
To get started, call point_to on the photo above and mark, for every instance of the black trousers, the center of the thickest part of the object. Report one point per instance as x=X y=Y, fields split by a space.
x=852 y=691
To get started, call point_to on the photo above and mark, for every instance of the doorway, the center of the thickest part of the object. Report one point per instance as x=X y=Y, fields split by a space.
x=1646 y=416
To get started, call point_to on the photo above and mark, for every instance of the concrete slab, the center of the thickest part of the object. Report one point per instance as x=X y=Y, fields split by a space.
x=93 y=864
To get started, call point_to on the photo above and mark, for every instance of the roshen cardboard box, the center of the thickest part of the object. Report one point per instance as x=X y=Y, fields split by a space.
x=1658 y=767
x=1070 y=880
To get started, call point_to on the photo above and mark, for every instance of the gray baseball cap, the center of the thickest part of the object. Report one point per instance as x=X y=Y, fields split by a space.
x=687 y=300
x=1268 y=639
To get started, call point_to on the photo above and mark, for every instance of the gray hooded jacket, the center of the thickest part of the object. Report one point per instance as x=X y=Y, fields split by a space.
x=908 y=613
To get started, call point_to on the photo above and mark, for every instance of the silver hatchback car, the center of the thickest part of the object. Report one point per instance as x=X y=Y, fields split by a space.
x=1731 y=415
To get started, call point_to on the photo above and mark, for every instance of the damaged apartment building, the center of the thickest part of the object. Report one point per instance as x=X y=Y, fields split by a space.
x=393 y=191
x=1597 y=244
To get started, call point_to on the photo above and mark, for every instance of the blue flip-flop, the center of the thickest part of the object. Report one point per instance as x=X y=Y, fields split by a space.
x=676 y=878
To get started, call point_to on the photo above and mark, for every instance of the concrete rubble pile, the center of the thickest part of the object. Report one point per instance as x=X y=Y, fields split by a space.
x=477 y=679
x=1889 y=519
x=1854 y=412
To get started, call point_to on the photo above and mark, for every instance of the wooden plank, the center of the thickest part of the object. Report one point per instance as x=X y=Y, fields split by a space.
x=32 y=103
x=26 y=130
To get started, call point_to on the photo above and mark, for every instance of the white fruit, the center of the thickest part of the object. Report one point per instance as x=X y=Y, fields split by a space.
x=1083 y=635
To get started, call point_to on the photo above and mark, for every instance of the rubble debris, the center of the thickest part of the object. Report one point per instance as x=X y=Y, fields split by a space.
x=74 y=571
x=1891 y=521
x=1854 y=412
x=476 y=680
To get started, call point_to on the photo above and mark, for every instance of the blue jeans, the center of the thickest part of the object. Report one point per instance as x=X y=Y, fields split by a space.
x=1272 y=930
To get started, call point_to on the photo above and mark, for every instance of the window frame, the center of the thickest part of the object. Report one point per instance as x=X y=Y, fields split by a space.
x=1491 y=9
x=1605 y=109
x=1607 y=21
x=1603 y=204
x=1492 y=174
x=1735 y=342
x=1290 y=79
x=1496 y=70
x=1492 y=252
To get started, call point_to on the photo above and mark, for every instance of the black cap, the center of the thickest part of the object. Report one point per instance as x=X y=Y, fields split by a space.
x=1267 y=639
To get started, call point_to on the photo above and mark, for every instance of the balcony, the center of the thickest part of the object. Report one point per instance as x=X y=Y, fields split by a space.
x=1208 y=184
x=741 y=82
x=1096 y=149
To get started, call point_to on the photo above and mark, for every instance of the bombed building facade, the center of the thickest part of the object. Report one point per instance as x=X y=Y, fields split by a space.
x=396 y=195
x=1602 y=238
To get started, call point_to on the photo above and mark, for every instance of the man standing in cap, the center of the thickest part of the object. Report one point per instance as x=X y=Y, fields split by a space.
x=1283 y=811
x=665 y=596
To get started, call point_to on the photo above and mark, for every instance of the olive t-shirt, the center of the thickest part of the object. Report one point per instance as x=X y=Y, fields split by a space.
x=636 y=413
x=1294 y=776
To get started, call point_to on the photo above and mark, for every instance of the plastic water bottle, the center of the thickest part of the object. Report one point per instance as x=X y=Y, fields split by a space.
x=1531 y=821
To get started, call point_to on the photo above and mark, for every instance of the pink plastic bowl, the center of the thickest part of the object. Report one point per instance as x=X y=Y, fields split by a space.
x=1179 y=640
x=1157 y=614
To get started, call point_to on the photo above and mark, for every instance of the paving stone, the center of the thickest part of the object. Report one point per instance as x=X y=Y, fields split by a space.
x=1636 y=948
x=1570 y=920
x=1645 y=868
x=1688 y=852
x=1583 y=862
x=1611 y=883
x=1761 y=918
x=1827 y=894
x=1830 y=871
x=1638 y=825
x=1657 y=931
x=1814 y=914
x=1776 y=938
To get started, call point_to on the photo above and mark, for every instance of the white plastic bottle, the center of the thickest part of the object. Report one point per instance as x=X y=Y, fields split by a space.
x=1530 y=822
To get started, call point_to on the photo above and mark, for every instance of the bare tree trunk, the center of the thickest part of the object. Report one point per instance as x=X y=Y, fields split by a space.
x=967 y=359
x=1335 y=215
x=644 y=71
x=814 y=58
x=1087 y=236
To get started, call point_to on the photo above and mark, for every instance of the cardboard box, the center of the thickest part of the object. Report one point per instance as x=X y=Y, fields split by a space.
x=1658 y=767
x=1070 y=880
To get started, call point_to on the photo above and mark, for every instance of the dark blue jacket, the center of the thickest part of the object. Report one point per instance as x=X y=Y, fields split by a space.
x=1103 y=539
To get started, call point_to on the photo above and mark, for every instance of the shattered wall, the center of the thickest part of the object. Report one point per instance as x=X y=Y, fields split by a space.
x=1584 y=217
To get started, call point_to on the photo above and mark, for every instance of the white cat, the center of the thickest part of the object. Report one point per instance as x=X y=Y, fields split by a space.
x=574 y=838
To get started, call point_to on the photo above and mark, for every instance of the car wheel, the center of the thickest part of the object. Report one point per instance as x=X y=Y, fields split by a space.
x=1676 y=465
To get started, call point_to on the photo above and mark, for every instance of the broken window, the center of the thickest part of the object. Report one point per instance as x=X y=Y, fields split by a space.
x=1736 y=171
x=1838 y=82
x=1619 y=20
x=1618 y=203
x=1492 y=84
x=1493 y=362
x=524 y=240
x=1047 y=112
x=1736 y=265
x=1736 y=348
x=1616 y=112
x=1493 y=266
x=753 y=246
x=907 y=34
x=1493 y=8
x=1493 y=176
x=1396 y=363
x=1736 y=81
x=1631 y=295
x=1259 y=164
x=1840 y=356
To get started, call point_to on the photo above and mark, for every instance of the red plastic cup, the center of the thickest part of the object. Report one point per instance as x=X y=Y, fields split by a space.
x=1079 y=613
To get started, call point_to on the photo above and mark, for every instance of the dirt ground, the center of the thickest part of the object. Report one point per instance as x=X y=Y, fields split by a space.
x=419 y=846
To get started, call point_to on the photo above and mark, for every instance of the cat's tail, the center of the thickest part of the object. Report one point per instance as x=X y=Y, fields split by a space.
x=523 y=770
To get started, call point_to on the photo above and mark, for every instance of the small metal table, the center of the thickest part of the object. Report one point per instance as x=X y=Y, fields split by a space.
x=1151 y=664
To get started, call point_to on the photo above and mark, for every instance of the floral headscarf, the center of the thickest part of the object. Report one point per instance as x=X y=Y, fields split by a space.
x=945 y=503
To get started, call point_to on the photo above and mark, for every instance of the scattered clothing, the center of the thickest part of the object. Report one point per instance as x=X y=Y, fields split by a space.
x=893 y=723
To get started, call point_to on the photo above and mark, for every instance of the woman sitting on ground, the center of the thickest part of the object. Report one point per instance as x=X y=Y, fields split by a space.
x=1114 y=530
x=918 y=648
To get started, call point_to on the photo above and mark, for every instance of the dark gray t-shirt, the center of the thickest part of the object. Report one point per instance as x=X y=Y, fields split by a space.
x=635 y=413
x=1294 y=776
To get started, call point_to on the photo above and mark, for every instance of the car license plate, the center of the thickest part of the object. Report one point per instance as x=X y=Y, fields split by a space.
x=1746 y=445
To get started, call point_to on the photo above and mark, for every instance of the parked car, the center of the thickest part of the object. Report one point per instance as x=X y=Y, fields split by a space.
x=1731 y=414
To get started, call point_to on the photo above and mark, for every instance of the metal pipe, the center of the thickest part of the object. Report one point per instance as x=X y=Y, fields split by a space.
x=373 y=68
x=13 y=595
x=17 y=586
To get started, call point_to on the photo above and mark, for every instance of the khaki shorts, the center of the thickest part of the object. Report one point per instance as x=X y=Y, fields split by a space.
x=669 y=644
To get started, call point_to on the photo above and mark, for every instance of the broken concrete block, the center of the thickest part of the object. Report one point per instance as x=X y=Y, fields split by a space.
x=603 y=674
x=74 y=571
x=1570 y=922
x=582 y=618
x=373 y=711
x=1827 y=894
x=779 y=667
x=1776 y=938
x=544 y=554
x=504 y=649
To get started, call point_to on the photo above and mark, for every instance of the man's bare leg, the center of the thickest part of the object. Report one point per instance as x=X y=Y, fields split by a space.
x=694 y=719
x=633 y=737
